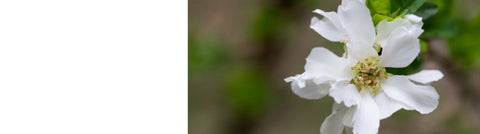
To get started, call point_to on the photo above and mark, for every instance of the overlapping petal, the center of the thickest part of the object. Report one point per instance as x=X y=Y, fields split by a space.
x=386 y=105
x=426 y=76
x=333 y=123
x=344 y=92
x=323 y=65
x=366 y=119
x=424 y=99
x=384 y=28
x=401 y=47
x=348 y=119
x=329 y=27
x=306 y=88
x=358 y=24
x=414 y=19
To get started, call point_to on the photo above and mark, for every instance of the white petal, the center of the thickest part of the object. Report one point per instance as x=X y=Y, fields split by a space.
x=348 y=119
x=324 y=65
x=298 y=79
x=333 y=123
x=401 y=47
x=415 y=30
x=357 y=21
x=366 y=118
x=329 y=27
x=426 y=76
x=424 y=99
x=344 y=92
x=306 y=88
x=386 y=105
x=384 y=28
x=414 y=19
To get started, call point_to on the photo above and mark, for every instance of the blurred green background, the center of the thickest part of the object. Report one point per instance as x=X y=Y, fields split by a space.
x=239 y=52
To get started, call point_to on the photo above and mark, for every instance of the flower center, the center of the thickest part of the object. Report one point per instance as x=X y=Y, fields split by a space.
x=368 y=74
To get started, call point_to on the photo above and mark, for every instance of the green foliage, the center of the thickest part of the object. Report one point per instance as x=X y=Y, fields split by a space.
x=381 y=7
x=268 y=22
x=442 y=4
x=427 y=10
x=410 y=5
x=390 y=10
x=464 y=45
x=247 y=90
x=378 y=17
x=443 y=23
x=398 y=13
x=415 y=5
x=205 y=53
x=423 y=46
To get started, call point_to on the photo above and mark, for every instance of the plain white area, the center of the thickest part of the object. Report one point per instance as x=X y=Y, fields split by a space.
x=93 y=67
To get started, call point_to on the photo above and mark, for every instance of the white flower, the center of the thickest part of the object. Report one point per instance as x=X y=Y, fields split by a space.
x=359 y=79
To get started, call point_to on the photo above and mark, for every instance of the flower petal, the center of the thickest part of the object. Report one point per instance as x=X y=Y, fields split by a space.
x=401 y=47
x=384 y=28
x=323 y=65
x=386 y=105
x=333 y=123
x=424 y=99
x=298 y=79
x=329 y=27
x=366 y=118
x=344 y=92
x=348 y=119
x=414 y=19
x=306 y=88
x=426 y=76
x=358 y=24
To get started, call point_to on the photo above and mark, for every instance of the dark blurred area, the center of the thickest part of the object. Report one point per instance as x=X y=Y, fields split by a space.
x=239 y=52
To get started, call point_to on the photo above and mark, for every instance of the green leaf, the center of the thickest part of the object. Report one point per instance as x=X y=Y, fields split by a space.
x=423 y=46
x=247 y=90
x=395 y=13
x=379 y=6
x=369 y=6
x=427 y=10
x=399 y=4
x=443 y=23
x=268 y=22
x=415 y=5
x=205 y=53
x=399 y=14
x=402 y=13
x=378 y=17
x=464 y=45
x=410 y=5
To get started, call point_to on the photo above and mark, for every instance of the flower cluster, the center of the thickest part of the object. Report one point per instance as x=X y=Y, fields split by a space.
x=364 y=92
